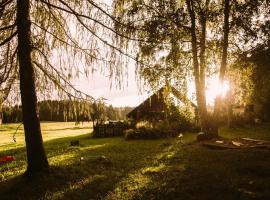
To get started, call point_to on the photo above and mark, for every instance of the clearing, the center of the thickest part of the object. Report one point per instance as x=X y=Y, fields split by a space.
x=112 y=168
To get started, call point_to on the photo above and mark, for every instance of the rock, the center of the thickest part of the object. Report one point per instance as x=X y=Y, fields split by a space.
x=205 y=136
x=74 y=143
x=180 y=135
x=102 y=158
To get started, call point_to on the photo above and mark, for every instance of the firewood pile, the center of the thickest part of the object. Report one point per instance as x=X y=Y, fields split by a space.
x=238 y=143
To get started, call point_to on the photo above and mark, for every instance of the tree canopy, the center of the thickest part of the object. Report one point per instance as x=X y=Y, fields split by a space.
x=45 y=44
x=191 y=38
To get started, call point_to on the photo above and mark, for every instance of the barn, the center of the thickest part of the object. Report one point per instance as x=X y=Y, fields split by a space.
x=155 y=106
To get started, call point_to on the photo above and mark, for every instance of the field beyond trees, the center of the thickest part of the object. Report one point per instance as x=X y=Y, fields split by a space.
x=113 y=168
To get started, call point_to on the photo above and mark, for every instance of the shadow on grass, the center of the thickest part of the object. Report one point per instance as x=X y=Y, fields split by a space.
x=105 y=163
x=113 y=169
x=198 y=173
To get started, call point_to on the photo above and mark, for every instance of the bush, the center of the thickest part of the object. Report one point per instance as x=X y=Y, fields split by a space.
x=176 y=121
x=147 y=133
x=130 y=134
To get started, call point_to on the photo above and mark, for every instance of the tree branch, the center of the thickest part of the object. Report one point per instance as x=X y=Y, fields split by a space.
x=8 y=39
x=73 y=12
x=61 y=77
x=74 y=45
x=7 y=27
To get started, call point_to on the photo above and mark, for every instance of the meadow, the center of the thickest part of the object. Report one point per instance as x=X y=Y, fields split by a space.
x=113 y=168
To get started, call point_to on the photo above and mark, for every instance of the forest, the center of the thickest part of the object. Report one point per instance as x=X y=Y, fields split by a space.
x=66 y=111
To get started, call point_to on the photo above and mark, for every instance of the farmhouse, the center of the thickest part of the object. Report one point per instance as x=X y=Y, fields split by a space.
x=155 y=106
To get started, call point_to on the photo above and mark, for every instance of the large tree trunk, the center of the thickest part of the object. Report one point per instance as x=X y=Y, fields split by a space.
x=223 y=65
x=36 y=157
x=199 y=83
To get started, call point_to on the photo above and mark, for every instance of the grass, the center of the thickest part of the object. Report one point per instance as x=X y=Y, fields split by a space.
x=113 y=168
x=50 y=130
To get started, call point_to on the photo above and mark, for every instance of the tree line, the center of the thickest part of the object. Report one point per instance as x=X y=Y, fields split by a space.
x=67 y=111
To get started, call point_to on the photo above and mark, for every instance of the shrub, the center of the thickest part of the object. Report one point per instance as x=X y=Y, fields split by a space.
x=147 y=133
x=131 y=134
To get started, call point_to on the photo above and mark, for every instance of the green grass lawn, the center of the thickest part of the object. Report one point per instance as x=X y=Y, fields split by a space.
x=113 y=168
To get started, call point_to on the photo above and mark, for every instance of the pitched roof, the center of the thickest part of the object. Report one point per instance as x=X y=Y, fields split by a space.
x=155 y=103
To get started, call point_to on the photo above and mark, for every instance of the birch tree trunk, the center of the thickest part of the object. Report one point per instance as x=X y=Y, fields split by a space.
x=198 y=74
x=223 y=65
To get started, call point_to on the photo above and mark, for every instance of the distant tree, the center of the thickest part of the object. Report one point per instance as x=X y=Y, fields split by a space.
x=98 y=113
x=111 y=113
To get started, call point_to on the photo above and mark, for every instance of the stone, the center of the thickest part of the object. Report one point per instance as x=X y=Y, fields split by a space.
x=74 y=143
x=205 y=136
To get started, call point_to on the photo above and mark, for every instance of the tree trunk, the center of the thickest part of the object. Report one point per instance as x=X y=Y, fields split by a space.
x=229 y=109
x=200 y=92
x=223 y=66
x=202 y=51
x=36 y=156
x=1 y=113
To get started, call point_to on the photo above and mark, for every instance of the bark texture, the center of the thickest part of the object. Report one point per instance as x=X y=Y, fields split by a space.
x=36 y=156
x=199 y=81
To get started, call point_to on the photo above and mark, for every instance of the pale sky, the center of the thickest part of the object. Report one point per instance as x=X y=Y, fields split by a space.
x=98 y=85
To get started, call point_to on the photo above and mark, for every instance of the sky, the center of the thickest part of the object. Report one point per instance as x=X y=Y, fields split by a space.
x=98 y=85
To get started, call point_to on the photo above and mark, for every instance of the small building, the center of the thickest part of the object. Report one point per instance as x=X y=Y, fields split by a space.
x=155 y=106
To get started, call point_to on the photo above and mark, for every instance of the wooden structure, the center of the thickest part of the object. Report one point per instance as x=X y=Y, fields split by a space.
x=111 y=129
x=155 y=106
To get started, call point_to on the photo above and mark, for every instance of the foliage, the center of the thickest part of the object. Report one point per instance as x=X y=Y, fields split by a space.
x=260 y=77
x=183 y=117
x=69 y=39
x=175 y=120
x=147 y=133
x=192 y=38
x=250 y=82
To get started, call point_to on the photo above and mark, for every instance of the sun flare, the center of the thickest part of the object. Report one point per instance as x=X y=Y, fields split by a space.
x=215 y=88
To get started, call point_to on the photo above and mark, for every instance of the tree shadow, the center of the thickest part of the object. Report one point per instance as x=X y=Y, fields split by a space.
x=89 y=171
x=193 y=172
x=111 y=168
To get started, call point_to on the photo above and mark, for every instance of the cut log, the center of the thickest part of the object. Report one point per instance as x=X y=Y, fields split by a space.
x=218 y=146
x=238 y=144
x=219 y=141
x=255 y=140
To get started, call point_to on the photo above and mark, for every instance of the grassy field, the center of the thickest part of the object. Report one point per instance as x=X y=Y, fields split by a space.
x=113 y=168
x=50 y=130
